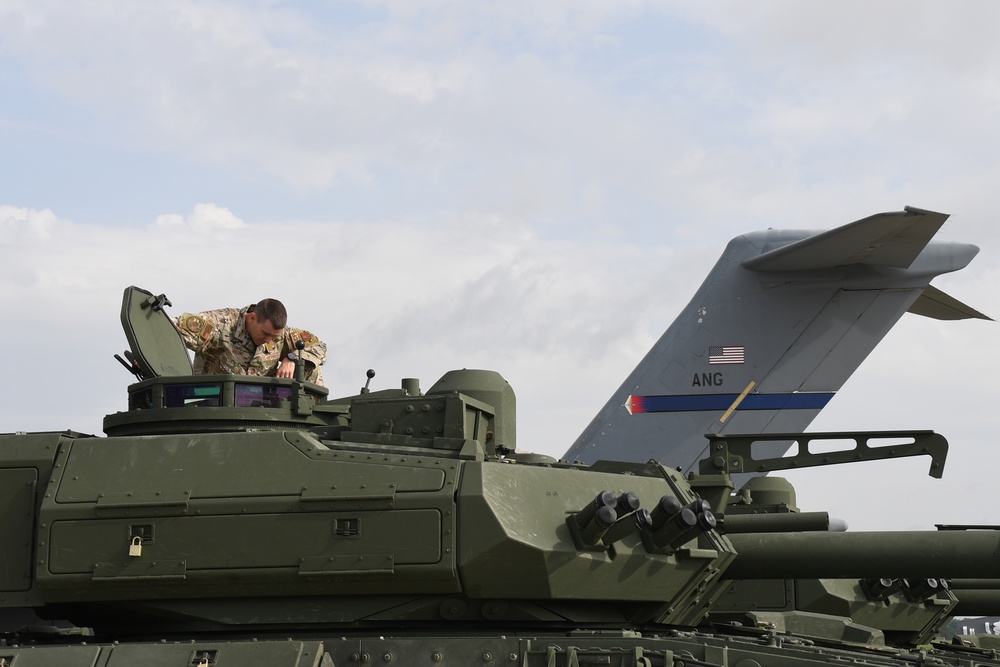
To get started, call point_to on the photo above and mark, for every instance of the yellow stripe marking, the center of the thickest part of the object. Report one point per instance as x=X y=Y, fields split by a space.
x=739 y=399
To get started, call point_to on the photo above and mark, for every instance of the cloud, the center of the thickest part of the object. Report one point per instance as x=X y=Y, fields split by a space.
x=19 y=223
x=575 y=120
x=204 y=217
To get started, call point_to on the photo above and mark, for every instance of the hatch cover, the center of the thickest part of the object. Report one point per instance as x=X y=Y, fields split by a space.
x=156 y=344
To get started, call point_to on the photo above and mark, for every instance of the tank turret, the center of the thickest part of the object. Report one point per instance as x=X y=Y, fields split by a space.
x=339 y=531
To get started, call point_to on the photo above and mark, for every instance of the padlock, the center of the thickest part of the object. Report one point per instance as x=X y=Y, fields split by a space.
x=135 y=548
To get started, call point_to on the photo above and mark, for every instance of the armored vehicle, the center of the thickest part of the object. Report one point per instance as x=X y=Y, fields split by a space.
x=241 y=521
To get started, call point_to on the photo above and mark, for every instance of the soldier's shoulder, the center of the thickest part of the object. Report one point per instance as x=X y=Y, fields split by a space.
x=222 y=313
x=222 y=318
x=306 y=337
x=205 y=323
x=195 y=324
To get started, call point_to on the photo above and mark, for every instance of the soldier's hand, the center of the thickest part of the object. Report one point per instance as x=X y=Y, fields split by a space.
x=286 y=369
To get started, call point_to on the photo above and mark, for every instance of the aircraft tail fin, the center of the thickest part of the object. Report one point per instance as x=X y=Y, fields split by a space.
x=780 y=323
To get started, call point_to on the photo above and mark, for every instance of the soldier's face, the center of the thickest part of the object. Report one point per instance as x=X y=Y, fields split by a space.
x=261 y=332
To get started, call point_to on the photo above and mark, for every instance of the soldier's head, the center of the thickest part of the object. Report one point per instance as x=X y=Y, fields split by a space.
x=266 y=320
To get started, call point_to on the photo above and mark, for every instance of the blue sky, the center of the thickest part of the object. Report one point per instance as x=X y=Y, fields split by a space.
x=531 y=187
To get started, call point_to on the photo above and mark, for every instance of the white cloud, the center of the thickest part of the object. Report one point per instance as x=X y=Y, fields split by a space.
x=784 y=103
x=203 y=218
x=19 y=223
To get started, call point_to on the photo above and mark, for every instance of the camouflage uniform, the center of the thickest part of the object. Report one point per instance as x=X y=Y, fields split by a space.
x=222 y=344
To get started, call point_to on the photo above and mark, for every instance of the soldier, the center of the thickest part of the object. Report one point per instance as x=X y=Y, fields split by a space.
x=250 y=341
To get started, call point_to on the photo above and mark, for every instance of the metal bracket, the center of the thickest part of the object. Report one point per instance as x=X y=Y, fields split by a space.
x=157 y=302
x=733 y=453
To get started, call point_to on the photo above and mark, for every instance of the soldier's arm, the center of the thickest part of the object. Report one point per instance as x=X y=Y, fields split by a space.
x=196 y=330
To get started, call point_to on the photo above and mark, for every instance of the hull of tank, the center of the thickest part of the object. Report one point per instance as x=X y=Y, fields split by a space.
x=444 y=649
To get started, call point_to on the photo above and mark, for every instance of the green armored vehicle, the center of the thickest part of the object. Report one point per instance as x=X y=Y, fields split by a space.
x=241 y=521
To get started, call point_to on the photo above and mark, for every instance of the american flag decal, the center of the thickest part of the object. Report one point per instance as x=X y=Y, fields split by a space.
x=725 y=354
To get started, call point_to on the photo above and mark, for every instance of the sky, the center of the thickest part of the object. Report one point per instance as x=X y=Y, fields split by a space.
x=533 y=188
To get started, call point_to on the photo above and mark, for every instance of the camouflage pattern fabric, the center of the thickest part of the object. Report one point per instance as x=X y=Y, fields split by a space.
x=222 y=344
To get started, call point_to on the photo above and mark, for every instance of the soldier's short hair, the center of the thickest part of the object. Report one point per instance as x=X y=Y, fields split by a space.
x=271 y=310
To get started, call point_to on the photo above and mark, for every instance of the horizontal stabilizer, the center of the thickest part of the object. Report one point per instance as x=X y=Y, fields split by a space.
x=936 y=304
x=884 y=239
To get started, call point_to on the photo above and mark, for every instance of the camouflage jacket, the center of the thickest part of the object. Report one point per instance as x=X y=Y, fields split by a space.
x=222 y=344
